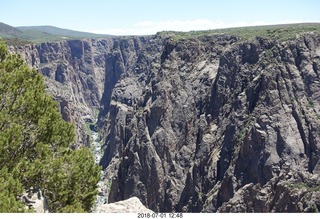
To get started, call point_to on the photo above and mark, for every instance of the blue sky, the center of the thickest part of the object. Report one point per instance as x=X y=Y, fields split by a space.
x=134 y=17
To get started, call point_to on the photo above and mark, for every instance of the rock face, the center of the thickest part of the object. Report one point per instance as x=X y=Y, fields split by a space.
x=131 y=205
x=204 y=124
x=75 y=74
x=35 y=200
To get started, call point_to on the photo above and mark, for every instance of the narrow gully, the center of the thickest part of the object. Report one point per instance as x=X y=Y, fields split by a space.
x=102 y=187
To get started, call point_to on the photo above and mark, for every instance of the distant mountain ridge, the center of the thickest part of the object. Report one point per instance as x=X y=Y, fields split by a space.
x=59 y=31
x=37 y=34
x=7 y=30
x=42 y=33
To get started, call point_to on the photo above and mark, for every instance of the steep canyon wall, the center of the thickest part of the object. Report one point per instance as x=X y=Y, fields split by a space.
x=201 y=124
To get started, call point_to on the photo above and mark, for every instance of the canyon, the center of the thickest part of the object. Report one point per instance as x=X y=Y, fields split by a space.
x=208 y=123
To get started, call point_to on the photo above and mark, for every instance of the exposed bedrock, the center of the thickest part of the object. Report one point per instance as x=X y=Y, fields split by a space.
x=203 y=124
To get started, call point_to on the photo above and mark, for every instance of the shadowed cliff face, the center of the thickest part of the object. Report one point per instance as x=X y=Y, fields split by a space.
x=74 y=74
x=210 y=123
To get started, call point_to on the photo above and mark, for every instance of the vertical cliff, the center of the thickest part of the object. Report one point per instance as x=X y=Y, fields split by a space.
x=74 y=73
x=213 y=123
x=208 y=123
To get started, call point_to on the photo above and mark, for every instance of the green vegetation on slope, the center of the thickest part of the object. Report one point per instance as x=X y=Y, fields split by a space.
x=9 y=31
x=50 y=30
x=280 y=32
x=35 y=145
x=38 y=34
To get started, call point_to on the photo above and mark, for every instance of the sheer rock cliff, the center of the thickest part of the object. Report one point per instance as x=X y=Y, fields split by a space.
x=201 y=124
x=74 y=74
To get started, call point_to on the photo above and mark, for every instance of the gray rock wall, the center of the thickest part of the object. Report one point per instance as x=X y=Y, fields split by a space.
x=75 y=76
x=209 y=123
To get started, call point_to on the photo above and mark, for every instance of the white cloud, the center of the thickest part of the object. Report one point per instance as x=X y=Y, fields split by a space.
x=149 y=27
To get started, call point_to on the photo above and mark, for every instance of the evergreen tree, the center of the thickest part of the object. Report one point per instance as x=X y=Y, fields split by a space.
x=9 y=188
x=35 y=144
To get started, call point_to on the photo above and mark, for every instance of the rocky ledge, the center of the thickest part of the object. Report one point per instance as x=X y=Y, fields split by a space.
x=131 y=205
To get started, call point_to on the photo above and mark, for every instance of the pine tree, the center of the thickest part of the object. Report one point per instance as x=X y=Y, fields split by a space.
x=35 y=144
x=9 y=188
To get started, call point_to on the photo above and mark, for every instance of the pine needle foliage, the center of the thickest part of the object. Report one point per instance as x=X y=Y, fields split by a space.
x=35 y=145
